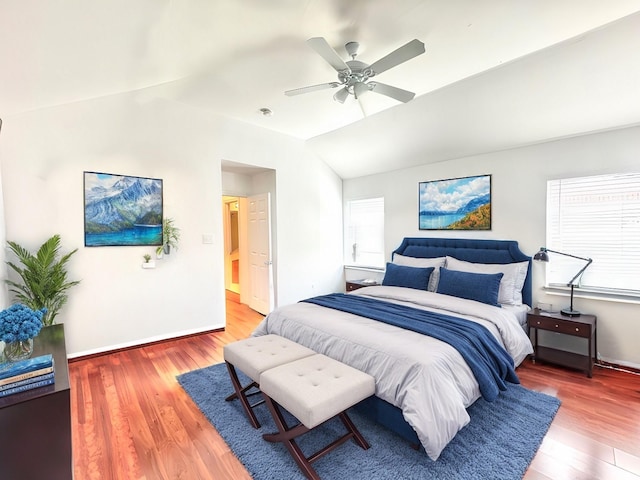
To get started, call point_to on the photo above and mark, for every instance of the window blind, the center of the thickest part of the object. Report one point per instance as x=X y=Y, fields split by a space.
x=364 y=232
x=596 y=217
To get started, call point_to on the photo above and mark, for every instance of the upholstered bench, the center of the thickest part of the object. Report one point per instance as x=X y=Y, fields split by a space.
x=253 y=356
x=314 y=389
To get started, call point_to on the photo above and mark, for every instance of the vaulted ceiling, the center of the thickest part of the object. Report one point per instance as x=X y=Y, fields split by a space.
x=496 y=73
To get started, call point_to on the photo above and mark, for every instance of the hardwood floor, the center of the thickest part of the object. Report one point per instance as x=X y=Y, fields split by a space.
x=132 y=420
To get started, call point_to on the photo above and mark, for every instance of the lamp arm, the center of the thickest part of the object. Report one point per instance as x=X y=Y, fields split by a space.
x=581 y=270
x=588 y=260
x=568 y=255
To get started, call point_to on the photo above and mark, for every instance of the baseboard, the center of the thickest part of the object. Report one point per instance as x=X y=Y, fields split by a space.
x=628 y=367
x=139 y=343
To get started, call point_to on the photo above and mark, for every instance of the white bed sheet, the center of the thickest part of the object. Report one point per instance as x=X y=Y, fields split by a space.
x=426 y=378
x=520 y=311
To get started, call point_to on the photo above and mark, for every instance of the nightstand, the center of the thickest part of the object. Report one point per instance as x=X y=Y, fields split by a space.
x=356 y=284
x=583 y=326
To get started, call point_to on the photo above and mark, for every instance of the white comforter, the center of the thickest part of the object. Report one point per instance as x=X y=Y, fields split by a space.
x=427 y=378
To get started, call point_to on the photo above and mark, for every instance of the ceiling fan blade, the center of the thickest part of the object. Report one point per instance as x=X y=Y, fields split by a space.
x=312 y=88
x=393 y=92
x=341 y=95
x=320 y=45
x=398 y=56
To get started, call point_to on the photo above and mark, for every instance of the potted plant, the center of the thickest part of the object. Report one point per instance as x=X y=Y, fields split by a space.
x=147 y=261
x=170 y=236
x=44 y=282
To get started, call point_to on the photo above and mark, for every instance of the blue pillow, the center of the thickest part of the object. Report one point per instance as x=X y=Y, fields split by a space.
x=480 y=287
x=410 y=277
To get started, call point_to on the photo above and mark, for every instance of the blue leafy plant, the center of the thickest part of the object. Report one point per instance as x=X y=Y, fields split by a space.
x=20 y=323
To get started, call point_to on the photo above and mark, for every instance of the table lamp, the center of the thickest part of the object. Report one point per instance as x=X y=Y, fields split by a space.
x=543 y=256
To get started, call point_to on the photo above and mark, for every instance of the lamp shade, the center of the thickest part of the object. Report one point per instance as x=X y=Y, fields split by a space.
x=341 y=95
x=542 y=255
x=359 y=89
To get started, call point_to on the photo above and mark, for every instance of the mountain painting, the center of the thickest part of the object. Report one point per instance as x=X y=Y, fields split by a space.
x=122 y=210
x=455 y=204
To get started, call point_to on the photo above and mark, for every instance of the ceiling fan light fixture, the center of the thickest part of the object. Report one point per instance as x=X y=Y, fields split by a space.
x=359 y=89
x=341 y=95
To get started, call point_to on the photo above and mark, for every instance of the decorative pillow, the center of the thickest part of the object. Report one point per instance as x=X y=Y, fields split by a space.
x=514 y=275
x=480 y=287
x=436 y=263
x=410 y=277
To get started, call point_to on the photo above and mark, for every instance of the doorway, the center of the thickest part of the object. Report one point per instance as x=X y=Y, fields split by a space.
x=232 y=257
x=248 y=205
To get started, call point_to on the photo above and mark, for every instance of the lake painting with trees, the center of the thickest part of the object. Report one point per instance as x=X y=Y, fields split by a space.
x=122 y=210
x=455 y=204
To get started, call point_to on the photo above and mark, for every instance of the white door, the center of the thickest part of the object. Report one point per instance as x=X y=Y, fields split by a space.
x=260 y=264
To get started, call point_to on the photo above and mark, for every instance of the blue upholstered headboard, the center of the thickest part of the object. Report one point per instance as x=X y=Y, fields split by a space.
x=478 y=251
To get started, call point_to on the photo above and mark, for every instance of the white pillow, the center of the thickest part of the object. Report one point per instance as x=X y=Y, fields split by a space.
x=514 y=275
x=422 y=263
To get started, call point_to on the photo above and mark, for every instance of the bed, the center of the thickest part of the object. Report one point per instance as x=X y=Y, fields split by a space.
x=417 y=334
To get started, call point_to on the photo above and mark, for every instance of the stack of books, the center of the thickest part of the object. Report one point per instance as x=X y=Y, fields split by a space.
x=16 y=377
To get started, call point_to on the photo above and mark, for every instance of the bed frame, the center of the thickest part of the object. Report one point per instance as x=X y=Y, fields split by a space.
x=478 y=251
x=469 y=250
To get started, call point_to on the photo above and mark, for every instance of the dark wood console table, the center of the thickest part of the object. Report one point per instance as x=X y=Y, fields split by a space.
x=35 y=426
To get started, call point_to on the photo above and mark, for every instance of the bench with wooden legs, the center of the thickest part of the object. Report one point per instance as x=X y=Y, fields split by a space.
x=314 y=389
x=253 y=356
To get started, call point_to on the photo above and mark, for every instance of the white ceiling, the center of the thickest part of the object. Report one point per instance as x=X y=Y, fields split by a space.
x=496 y=73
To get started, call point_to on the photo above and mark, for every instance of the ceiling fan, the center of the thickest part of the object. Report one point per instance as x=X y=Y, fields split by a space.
x=355 y=76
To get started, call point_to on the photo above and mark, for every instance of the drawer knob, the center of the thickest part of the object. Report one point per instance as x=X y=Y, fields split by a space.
x=538 y=323
x=577 y=329
x=556 y=325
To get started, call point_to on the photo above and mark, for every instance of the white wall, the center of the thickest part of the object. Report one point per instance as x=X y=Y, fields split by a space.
x=519 y=179
x=118 y=303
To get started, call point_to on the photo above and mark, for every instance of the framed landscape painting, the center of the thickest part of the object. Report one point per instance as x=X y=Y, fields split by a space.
x=455 y=204
x=122 y=210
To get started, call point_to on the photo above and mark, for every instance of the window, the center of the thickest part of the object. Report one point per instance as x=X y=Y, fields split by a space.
x=364 y=233
x=596 y=217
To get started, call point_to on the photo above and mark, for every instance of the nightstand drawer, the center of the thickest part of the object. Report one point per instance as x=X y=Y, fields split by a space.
x=562 y=326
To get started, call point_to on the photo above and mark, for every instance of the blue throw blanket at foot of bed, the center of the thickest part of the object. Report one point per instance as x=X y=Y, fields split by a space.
x=488 y=360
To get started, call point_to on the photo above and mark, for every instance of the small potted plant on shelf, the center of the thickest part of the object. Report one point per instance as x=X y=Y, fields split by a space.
x=147 y=261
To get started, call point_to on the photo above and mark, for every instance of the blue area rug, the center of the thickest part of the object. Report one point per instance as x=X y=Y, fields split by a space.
x=499 y=442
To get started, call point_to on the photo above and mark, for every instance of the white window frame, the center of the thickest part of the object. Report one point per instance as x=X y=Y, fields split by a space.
x=364 y=233
x=595 y=217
